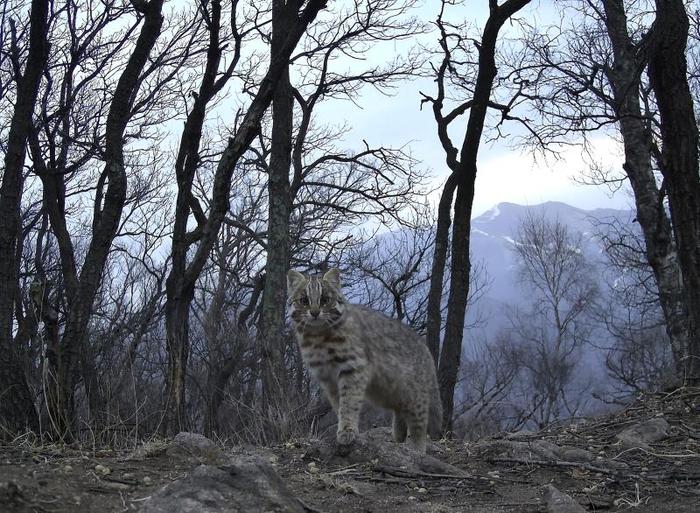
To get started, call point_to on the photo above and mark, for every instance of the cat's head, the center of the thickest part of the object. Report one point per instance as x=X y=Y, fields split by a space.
x=316 y=301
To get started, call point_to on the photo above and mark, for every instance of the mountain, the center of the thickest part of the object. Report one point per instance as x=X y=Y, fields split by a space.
x=495 y=232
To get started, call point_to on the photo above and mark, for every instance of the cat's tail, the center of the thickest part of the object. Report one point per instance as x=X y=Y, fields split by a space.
x=435 y=411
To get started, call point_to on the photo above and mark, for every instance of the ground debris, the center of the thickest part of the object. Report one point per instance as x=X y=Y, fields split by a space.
x=503 y=473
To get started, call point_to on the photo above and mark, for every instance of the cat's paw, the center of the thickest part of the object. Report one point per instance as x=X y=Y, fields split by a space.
x=345 y=439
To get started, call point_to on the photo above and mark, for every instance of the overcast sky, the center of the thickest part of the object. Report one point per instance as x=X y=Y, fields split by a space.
x=505 y=173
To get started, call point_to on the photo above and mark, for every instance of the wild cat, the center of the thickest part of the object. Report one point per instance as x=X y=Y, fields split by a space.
x=357 y=353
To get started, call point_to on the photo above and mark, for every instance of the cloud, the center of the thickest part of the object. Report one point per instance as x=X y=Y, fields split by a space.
x=521 y=178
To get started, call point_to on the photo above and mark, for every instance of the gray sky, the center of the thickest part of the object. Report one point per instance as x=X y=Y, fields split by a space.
x=505 y=173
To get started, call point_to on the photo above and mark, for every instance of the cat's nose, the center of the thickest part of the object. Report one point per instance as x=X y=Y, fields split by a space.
x=315 y=313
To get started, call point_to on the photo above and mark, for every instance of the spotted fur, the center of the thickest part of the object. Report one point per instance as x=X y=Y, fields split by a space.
x=356 y=353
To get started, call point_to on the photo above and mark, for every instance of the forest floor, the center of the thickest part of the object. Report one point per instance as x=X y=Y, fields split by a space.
x=506 y=473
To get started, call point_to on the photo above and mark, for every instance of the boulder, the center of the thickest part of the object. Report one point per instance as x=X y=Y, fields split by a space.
x=642 y=434
x=241 y=486
x=196 y=448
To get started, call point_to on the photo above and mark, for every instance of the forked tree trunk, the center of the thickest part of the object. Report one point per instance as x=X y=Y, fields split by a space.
x=183 y=276
x=105 y=224
x=465 y=175
x=437 y=276
x=661 y=254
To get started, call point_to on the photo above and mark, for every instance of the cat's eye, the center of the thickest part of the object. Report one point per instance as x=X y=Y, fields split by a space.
x=303 y=300
x=325 y=300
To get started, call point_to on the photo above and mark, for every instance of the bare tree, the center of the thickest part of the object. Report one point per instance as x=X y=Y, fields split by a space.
x=668 y=75
x=459 y=186
x=183 y=277
x=551 y=334
x=16 y=403
x=639 y=357
x=487 y=384
x=390 y=272
x=589 y=79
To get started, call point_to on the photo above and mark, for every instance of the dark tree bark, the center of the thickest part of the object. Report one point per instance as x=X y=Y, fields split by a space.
x=437 y=276
x=272 y=324
x=182 y=279
x=624 y=77
x=17 y=411
x=668 y=74
x=81 y=287
x=464 y=171
x=180 y=292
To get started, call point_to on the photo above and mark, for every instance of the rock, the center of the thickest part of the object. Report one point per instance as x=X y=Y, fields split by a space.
x=559 y=502
x=11 y=494
x=196 y=449
x=644 y=433
x=102 y=470
x=568 y=453
x=250 y=486
x=376 y=447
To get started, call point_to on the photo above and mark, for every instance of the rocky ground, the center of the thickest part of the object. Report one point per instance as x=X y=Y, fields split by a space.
x=644 y=458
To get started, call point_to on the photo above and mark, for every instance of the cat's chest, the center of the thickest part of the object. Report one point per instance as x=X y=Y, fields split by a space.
x=327 y=355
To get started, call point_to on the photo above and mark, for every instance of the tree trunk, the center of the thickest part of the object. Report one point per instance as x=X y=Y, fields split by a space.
x=185 y=276
x=105 y=225
x=179 y=287
x=460 y=267
x=272 y=323
x=17 y=411
x=437 y=276
x=465 y=176
x=668 y=74
x=661 y=254
x=177 y=318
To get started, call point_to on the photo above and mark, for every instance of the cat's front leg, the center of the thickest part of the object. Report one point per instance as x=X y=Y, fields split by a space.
x=351 y=392
x=330 y=388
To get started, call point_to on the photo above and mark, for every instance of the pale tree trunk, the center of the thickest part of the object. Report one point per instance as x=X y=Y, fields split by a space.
x=661 y=254
x=17 y=411
x=272 y=323
x=668 y=73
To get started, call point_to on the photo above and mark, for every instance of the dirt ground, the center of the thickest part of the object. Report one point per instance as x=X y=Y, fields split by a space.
x=663 y=477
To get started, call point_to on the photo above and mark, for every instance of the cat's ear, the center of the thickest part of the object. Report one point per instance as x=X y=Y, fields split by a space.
x=294 y=278
x=332 y=276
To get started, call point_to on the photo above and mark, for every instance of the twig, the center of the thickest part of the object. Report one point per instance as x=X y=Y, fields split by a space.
x=344 y=470
x=658 y=455
x=557 y=463
x=399 y=472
